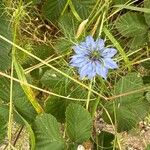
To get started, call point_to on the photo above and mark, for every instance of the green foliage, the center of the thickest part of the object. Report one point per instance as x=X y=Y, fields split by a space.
x=3 y=129
x=47 y=133
x=54 y=104
x=146 y=64
x=83 y=8
x=3 y=121
x=148 y=147
x=105 y=140
x=52 y=9
x=147 y=15
x=79 y=123
x=120 y=1
x=61 y=85
x=127 y=110
x=133 y=25
x=21 y=102
x=5 y=48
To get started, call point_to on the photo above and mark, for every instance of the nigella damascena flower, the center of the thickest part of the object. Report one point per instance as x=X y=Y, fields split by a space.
x=93 y=58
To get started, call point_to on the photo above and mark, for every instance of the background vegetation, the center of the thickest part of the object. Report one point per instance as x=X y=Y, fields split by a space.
x=41 y=93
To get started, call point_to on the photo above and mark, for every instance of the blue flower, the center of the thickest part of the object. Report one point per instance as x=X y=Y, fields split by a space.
x=93 y=58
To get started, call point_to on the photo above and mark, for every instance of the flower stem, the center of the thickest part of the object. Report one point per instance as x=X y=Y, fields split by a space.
x=89 y=94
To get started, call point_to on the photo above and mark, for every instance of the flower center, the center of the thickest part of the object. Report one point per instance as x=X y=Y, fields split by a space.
x=95 y=55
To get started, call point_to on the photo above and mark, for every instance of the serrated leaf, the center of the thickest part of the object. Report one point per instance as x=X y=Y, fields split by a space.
x=131 y=108
x=132 y=24
x=47 y=133
x=53 y=104
x=5 y=48
x=147 y=15
x=79 y=123
x=69 y=26
x=52 y=9
x=138 y=41
x=84 y=8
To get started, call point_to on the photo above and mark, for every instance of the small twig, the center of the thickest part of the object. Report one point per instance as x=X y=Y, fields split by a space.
x=18 y=135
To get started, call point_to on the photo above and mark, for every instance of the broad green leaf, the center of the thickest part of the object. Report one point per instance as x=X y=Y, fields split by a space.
x=69 y=26
x=84 y=8
x=20 y=100
x=131 y=25
x=147 y=15
x=40 y=50
x=146 y=64
x=47 y=133
x=5 y=48
x=138 y=41
x=57 y=107
x=61 y=85
x=131 y=108
x=52 y=9
x=79 y=123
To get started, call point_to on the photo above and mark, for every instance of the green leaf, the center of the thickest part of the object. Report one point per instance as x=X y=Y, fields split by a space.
x=5 y=48
x=69 y=26
x=146 y=79
x=138 y=41
x=52 y=9
x=147 y=15
x=79 y=123
x=128 y=109
x=20 y=100
x=84 y=8
x=61 y=85
x=47 y=133
x=146 y=64
x=131 y=25
x=4 y=113
x=3 y=129
x=53 y=104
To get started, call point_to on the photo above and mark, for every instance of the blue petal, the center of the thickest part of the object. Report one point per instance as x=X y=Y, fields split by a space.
x=100 y=44
x=90 y=43
x=92 y=73
x=101 y=70
x=109 y=52
x=79 y=64
x=109 y=63
x=84 y=71
x=80 y=50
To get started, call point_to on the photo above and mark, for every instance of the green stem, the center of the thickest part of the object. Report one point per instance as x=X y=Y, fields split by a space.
x=89 y=94
x=10 y=109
